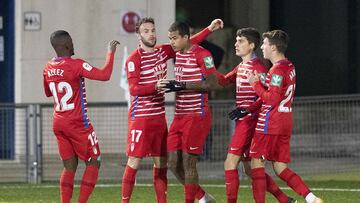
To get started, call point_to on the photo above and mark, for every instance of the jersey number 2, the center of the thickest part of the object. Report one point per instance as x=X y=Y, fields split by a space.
x=289 y=94
x=61 y=87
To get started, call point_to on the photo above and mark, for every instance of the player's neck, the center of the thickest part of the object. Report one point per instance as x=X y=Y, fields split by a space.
x=187 y=47
x=146 y=48
x=277 y=57
x=248 y=57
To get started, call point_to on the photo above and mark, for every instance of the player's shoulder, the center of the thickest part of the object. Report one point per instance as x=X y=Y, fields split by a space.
x=134 y=56
x=201 y=51
x=258 y=65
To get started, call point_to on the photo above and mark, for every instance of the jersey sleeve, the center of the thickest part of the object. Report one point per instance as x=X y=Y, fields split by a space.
x=255 y=106
x=93 y=73
x=133 y=67
x=170 y=53
x=272 y=95
x=206 y=62
x=46 y=86
x=200 y=36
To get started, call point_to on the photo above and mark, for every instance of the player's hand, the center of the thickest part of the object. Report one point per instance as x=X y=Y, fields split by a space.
x=253 y=77
x=238 y=113
x=161 y=84
x=216 y=24
x=172 y=85
x=112 y=45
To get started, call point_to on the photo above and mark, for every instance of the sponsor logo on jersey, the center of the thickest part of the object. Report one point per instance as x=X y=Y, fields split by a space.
x=276 y=80
x=87 y=66
x=209 y=63
x=131 y=66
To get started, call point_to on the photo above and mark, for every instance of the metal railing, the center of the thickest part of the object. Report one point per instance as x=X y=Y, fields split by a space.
x=325 y=139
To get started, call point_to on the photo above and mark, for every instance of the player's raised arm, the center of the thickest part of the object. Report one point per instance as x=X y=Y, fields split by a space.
x=103 y=73
x=203 y=34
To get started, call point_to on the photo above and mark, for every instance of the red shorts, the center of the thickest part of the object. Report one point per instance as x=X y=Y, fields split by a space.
x=241 y=141
x=147 y=137
x=271 y=147
x=189 y=132
x=74 y=139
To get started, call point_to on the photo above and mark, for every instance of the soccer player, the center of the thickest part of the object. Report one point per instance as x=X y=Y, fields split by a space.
x=273 y=130
x=76 y=138
x=247 y=41
x=194 y=76
x=147 y=128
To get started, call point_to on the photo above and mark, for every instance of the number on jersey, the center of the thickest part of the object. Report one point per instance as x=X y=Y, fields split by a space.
x=289 y=94
x=63 y=104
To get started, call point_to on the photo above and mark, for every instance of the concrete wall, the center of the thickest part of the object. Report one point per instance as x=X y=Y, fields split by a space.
x=92 y=24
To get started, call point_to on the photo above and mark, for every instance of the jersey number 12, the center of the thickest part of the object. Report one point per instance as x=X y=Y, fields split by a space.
x=63 y=104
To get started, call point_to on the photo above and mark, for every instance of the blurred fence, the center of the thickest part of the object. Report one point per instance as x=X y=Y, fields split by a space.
x=326 y=139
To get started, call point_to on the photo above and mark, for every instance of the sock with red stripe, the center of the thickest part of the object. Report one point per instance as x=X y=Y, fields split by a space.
x=190 y=192
x=160 y=184
x=232 y=185
x=66 y=185
x=258 y=184
x=274 y=189
x=88 y=183
x=294 y=182
x=128 y=182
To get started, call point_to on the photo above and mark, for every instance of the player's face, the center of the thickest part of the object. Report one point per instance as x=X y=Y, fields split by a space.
x=178 y=42
x=147 y=34
x=243 y=47
x=266 y=48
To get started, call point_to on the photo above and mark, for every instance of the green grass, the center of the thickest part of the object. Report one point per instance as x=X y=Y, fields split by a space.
x=49 y=192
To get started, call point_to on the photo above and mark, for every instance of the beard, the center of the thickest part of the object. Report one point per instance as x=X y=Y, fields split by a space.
x=147 y=43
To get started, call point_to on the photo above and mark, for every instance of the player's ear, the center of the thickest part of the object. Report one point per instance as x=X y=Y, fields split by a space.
x=138 y=36
x=252 y=45
x=186 y=37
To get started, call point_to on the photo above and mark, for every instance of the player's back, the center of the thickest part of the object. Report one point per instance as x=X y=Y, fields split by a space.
x=277 y=118
x=63 y=82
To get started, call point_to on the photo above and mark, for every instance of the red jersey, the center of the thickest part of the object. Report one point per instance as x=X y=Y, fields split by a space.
x=64 y=81
x=245 y=94
x=276 y=112
x=144 y=69
x=192 y=66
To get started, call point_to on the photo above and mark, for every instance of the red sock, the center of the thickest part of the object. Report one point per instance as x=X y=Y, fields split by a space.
x=66 y=185
x=274 y=189
x=190 y=192
x=232 y=185
x=160 y=184
x=88 y=183
x=258 y=184
x=294 y=182
x=199 y=193
x=128 y=182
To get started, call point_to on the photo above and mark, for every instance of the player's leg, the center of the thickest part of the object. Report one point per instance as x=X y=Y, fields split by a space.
x=128 y=179
x=89 y=179
x=160 y=178
x=295 y=182
x=232 y=177
x=191 y=176
x=258 y=151
x=70 y=162
x=86 y=146
x=159 y=135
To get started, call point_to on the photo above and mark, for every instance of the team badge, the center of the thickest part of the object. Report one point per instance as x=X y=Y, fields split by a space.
x=209 y=63
x=131 y=66
x=87 y=66
x=276 y=80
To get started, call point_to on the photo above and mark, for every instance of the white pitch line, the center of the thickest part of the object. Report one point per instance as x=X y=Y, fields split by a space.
x=175 y=185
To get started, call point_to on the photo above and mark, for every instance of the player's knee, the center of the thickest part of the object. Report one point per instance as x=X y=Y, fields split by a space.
x=93 y=162
x=71 y=164
x=172 y=165
x=279 y=167
x=230 y=164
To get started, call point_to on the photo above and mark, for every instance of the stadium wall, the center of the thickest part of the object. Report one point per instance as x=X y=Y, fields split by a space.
x=92 y=24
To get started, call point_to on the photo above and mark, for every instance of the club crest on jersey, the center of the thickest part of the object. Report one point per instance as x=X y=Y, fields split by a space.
x=131 y=66
x=209 y=63
x=87 y=66
x=276 y=80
